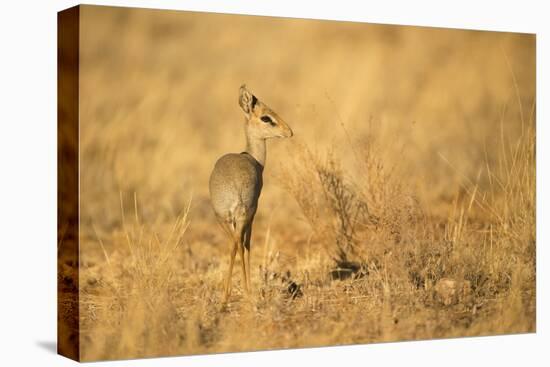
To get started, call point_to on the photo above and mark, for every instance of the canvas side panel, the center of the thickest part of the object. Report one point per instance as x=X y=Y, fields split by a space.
x=68 y=341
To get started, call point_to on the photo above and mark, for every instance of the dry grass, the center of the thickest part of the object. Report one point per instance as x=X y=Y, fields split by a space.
x=404 y=208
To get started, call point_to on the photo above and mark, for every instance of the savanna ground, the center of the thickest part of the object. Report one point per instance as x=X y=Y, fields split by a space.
x=403 y=208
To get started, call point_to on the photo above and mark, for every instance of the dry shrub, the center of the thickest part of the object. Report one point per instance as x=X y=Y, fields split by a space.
x=370 y=217
x=348 y=212
x=332 y=208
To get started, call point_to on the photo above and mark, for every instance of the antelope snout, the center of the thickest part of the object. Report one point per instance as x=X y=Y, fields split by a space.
x=287 y=133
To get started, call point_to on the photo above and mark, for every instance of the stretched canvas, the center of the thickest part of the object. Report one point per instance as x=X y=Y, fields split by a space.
x=237 y=183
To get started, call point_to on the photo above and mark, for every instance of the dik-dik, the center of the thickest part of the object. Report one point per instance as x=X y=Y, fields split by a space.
x=236 y=181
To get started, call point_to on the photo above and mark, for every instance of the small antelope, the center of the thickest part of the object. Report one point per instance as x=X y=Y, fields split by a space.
x=236 y=181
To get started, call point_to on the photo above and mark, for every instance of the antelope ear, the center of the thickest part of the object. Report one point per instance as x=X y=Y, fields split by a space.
x=247 y=100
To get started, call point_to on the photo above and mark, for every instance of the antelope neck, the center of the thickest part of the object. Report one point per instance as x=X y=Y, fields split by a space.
x=255 y=146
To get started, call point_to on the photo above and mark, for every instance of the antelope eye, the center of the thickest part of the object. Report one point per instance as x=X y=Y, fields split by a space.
x=267 y=119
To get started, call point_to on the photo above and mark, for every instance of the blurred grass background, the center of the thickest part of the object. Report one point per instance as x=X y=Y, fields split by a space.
x=159 y=92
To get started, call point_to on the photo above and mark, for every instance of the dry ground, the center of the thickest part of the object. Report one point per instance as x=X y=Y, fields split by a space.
x=403 y=208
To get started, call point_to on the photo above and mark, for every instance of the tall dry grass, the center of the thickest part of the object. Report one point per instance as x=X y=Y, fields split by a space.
x=138 y=316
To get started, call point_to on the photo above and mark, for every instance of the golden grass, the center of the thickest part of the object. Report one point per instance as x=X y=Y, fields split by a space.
x=404 y=208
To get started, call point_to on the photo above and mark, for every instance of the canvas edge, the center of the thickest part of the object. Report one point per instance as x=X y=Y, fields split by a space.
x=68 y=48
